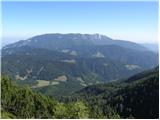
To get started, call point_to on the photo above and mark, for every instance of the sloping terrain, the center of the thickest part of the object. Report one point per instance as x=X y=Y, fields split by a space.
x=65 y=63
x=65 y=41
x=136 y=97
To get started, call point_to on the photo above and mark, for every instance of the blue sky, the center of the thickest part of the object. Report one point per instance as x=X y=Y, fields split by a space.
x=133 y=21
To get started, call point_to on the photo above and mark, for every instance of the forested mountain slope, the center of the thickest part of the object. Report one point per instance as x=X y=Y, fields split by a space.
x=21 y=102
x=136 y=97
x=60 y=64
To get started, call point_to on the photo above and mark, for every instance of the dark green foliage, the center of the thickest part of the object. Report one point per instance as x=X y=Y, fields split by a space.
x=72 y=110
x=129 y=98
x=136 y=97
x=20 y=102
x=141 y=98
x=7 y=115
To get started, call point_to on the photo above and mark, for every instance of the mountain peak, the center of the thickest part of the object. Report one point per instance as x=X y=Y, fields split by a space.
x=64 y=41
x=97 y=36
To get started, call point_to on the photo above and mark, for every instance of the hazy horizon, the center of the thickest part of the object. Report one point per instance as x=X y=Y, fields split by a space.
x=130 y=21
x=6 y=40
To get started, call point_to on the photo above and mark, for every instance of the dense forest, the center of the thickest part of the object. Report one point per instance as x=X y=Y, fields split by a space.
x=136 y=97
x=23 y=103
x=61 y=64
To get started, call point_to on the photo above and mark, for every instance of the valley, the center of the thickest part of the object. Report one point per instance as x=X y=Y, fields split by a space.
x=79 y=59
x=52 y=75
x=135 y=97
x=58 y=62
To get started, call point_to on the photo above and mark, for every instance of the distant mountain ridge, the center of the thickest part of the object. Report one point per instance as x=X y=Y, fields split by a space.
x=56 y=63
x=152 y=47
x=64 y=41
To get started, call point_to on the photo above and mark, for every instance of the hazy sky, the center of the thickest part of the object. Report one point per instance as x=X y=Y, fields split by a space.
x=133 y=21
